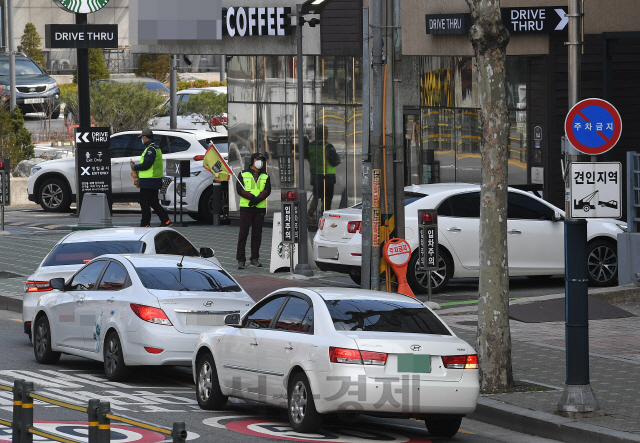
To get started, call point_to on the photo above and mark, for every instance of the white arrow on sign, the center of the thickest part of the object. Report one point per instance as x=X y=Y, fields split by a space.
x=81 y=137
x=563 y=19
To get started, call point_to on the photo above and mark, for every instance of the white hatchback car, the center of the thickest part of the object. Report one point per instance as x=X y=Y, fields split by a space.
x=52 y=184
x=535 y=237
x=74 y=250
x=134 y=309
x=316 y=351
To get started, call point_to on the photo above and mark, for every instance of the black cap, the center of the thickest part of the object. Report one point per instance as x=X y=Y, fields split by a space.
x=257 y=155
x=146 y=132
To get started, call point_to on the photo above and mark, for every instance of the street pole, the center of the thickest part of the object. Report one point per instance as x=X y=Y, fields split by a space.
x=398 y=127
x=303 y=267
x=376 y=139
x=84 y=101
x=12 y=55
x=365 y=268
x=223 y=68
x=173 y=92
x=578 y=398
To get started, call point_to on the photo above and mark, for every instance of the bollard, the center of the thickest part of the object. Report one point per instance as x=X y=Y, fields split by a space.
x=17 y=411
x=179 y=432
x=92 y=419
x=26 y=413
x=104 y=424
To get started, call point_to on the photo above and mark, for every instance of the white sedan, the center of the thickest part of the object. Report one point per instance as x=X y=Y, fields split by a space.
x=324 y=350
x=535 y=234
x=74 y=250
x=132 y=310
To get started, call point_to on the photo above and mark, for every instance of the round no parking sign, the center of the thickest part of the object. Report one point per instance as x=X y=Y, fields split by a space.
x=593 y=126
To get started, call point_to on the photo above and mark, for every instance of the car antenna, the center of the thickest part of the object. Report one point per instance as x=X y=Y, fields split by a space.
x=180 y=264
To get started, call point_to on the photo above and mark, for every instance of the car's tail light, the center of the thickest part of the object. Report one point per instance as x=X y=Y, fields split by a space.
x=460 y=361
x=36 y=286
x=151 y=314
x=354 y=226
x=153 y=350
x=198 y=158
x=353 y=356
x=321 y=223
x=373 y=358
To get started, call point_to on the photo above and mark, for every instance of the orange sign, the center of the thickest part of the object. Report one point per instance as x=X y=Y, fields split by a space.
x=397 y=253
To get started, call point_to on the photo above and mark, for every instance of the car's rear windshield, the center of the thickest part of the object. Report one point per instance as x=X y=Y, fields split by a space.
x=384 y=316
x=185 y=279
x=409 y=197
x=221 y=144
x=84 y=252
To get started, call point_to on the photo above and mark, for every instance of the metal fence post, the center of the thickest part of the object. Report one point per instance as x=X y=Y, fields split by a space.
x=179 y=432
x=17 y=411
x=104 y=424
x=92 y=419
x=26 y=413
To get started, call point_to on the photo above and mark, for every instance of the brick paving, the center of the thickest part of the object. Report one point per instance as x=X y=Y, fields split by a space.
x=538 y=356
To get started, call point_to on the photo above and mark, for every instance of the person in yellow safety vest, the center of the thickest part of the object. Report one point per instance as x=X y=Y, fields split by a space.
x=253 y=192
x=323 y=159
x=150 y=172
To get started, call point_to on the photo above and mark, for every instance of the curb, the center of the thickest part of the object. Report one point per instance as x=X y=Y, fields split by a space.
x=10 y=302
x=546 y=425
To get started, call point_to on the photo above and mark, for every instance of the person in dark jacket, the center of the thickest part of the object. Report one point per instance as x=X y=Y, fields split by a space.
x=150 y=171
x=253 y=187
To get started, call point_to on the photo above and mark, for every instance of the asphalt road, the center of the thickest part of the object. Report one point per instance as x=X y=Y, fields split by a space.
x=223 y=240
x=35 y=123
x=163 y=395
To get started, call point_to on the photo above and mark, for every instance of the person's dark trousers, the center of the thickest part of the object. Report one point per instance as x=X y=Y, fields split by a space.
x=253 y=220
x=149 y=199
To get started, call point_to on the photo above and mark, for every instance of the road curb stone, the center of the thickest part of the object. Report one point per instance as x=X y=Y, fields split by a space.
x=546 y=425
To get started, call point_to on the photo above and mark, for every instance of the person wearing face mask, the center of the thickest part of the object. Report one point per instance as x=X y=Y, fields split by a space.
x=253 y=187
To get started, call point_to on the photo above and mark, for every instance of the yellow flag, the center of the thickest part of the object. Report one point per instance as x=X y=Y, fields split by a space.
x=214 y=163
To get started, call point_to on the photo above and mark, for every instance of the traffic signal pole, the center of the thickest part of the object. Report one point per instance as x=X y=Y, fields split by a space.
x=578 y=398
x=377 y=132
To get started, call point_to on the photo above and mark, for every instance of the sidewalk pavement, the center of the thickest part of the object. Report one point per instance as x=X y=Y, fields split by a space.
x=537 y=348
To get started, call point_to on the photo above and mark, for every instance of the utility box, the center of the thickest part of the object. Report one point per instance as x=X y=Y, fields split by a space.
x=5 y=182
x=94 y=212
x=629 y=242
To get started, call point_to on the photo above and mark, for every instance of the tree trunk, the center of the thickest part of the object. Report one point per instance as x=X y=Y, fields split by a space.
x=489 y=38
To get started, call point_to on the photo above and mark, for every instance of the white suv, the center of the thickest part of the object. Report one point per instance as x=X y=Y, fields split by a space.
x=52 y=184
x=186 y=121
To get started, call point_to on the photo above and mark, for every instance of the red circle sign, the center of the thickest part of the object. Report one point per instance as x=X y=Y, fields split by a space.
x=593 y=126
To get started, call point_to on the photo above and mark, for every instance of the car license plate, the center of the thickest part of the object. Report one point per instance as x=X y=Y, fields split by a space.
x=31 y=101
x=327 y=253
x=414 y=363
x=205 y=319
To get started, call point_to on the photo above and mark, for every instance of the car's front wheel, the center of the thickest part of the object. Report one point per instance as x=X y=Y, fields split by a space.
x=42 y=343
x=301 y=410
x=208 y=390
x=445 y=428
x=55 y=195
x=602 y=262
x=114 y=367
x=439 y=277
x=205 y=206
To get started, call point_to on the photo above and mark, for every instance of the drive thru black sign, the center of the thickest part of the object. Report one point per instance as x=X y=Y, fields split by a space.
x=542 y=20
x=93 y=162
x=81 y=36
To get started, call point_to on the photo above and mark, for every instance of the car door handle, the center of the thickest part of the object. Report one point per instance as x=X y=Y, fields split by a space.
x=254 y=343
x=514 y=231
x=111 y=300
x=80 y=300
x=288 y=347
x=454 y=229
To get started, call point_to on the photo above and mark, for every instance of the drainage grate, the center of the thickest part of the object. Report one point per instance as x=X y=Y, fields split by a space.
x=7 y=274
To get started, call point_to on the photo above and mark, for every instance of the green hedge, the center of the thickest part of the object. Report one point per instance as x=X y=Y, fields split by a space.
x=199 y=84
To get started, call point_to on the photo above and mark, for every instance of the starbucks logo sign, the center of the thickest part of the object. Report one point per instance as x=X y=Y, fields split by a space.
x=82 y=6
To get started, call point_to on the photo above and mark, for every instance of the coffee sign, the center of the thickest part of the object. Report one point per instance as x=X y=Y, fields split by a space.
x=241 y=21
x=81 y=6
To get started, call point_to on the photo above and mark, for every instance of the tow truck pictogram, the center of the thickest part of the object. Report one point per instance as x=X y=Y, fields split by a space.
x=585 y=202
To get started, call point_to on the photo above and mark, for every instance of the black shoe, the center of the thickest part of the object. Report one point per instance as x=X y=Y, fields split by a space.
x=167 y=224
x=256 y=263
x=241 y=265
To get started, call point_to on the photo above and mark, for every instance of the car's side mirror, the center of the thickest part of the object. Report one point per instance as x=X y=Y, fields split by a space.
x=232 y=320
x=57 y=283
x=557 y=216
x=206 y=252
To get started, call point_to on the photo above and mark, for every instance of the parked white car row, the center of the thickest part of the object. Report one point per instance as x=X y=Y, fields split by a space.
x=535 y=236
x=146 y=296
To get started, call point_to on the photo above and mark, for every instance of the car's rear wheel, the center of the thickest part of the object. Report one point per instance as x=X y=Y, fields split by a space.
x=302 y=413
x=208 y=390
x=42 y=343
x=445 y=428
x=602 y=262
x=114 y=367
x=55 y=195
x=439 y=278
x=205 y=206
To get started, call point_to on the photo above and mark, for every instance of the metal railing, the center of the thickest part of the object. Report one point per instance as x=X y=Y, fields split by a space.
x=98 y=412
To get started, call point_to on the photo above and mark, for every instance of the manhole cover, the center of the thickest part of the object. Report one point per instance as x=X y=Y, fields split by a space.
x=7 y=274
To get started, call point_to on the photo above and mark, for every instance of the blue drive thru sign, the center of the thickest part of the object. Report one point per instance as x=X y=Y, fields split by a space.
x=593 y=126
